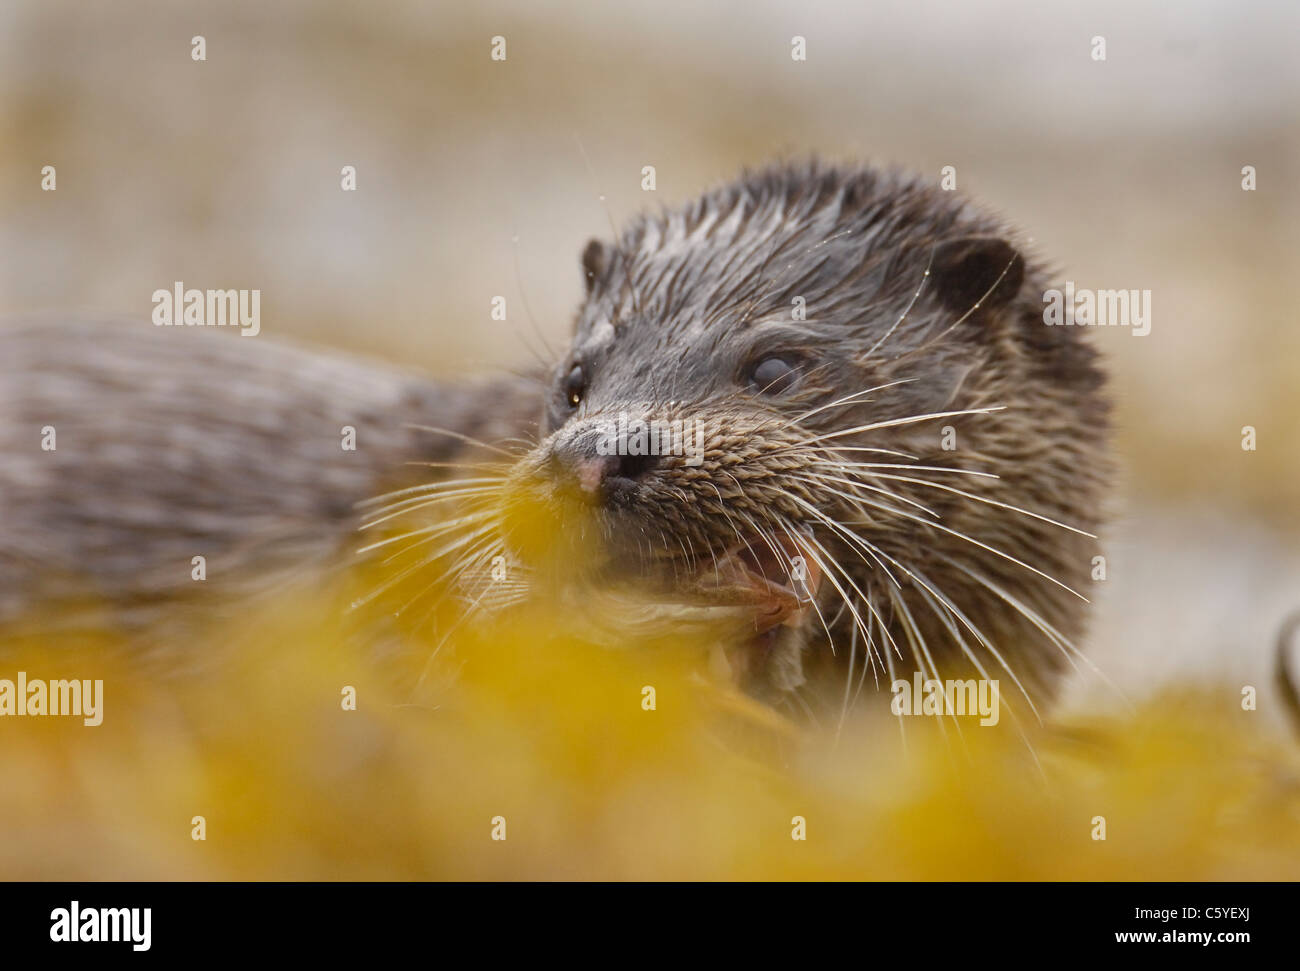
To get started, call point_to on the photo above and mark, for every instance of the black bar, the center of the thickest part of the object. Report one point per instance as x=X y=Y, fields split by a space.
x=331 y=920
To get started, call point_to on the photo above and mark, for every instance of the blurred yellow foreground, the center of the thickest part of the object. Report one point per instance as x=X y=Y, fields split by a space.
x=552 y=736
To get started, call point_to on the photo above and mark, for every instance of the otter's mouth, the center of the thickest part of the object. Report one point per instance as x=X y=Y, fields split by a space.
x=777 y=579
x=763 y=582
x=748 y=604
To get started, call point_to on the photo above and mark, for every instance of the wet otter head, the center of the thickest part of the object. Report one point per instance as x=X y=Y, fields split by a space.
x=823 y=401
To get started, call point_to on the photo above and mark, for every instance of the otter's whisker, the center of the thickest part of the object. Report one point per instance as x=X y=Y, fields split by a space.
x=849 y=579
x=434 y=529
x=984 y=546
x=1043 y=626
x=467 y=439
x=909 y=465
x=991 y=502
x=528 y=443
x=859 y=484
x=482 y=550
x=974 y=307
x=925 y=585
x=429 y=534
x=853 y=538
x=875 y=622
x=428 y=664
x=838 y=402
x=922 y=582
x=433 y=490
x=917 y=640
x=499 y=469
x=432 y=486
x=1061 y=641
x=893 y=676
x=916 y=295
x=404 y=506
x=830 y=576
x=400 y=575
x=832 y=451
x=848 y=681
x=895 y=422
x=1005 y=556
x=1015 y=717
x=777 y=551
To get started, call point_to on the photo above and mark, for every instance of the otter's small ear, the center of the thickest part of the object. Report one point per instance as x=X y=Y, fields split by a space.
x=982 y=270
x=595 y=260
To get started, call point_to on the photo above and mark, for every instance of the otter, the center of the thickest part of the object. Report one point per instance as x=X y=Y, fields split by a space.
x=901 y=468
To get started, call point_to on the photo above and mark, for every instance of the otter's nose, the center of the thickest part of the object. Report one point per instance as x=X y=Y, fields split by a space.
x=599 y=477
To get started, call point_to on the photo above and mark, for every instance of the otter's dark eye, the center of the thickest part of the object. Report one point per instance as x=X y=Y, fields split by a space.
x=575 y=386
x=773 y=375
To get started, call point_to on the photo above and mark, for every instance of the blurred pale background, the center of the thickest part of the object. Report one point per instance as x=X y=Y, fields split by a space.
x=1126 y=173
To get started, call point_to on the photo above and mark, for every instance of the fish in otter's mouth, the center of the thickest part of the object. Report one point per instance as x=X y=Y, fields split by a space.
x=819 y=408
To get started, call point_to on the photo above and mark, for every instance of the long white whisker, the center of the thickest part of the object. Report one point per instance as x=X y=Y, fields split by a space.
x=425 y=487
x=991 y=502
x=842 y=401
x=925 y=277
x=895 y=422
x=404 y=506
x=461 y=436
